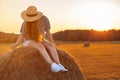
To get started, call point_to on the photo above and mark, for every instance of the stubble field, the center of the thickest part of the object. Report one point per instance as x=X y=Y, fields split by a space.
x=99 y=61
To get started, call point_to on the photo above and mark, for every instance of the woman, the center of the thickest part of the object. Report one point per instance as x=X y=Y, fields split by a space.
x=33 y=32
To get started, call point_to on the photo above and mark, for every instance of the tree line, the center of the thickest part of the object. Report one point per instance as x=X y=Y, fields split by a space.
x=87 y=35
x=8 y=37
x=72 y=35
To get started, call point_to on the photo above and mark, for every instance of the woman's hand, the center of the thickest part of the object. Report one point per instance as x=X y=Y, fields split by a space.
x=14 y=45
x=49 y=36
x=19 y=40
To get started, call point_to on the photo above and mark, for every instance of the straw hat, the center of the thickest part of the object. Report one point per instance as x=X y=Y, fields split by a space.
x=31 y=14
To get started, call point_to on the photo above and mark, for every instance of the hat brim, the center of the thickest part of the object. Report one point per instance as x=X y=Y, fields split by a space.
x=31 y=18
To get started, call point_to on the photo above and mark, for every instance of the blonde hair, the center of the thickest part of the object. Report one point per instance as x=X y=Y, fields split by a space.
x=33 y=31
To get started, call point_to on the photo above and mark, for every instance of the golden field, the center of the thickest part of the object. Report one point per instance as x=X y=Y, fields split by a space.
x=99 y=61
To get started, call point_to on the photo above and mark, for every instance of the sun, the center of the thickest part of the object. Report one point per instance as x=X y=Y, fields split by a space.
x=101 y=28
x=97 y=15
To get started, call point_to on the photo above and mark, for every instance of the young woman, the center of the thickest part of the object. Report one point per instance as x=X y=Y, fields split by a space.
x=33 y=32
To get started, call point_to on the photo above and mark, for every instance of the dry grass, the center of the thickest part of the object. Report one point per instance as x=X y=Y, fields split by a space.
x=100 y=61
x=4 y=47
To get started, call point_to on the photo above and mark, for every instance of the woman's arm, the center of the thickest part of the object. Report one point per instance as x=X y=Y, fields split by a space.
x=49 y=36
x=19 y=40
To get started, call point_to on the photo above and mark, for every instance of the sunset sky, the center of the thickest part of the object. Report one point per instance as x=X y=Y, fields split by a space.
x=63 y=14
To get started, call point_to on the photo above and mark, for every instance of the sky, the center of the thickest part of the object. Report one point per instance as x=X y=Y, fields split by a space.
x=63 y=14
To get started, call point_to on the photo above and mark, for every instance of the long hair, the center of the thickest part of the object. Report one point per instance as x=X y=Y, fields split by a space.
x=33 y=31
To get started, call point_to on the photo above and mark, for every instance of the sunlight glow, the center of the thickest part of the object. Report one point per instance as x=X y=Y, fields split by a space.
x=63 y=14
x=97 y=15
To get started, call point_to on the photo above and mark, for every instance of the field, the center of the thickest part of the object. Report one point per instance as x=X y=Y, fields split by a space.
x=99 y=61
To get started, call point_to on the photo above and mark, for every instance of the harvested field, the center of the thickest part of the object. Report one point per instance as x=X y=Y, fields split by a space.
x=99 y=61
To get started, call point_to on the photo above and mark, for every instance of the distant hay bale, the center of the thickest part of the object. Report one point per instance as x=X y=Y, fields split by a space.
x=86 y=44
x=26 y=63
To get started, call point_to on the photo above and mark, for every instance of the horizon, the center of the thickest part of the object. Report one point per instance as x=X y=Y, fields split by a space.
x=78 y=14
x=70 y=30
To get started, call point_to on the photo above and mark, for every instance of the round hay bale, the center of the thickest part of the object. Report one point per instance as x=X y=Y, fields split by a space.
x=26 y=63
x=86 y=44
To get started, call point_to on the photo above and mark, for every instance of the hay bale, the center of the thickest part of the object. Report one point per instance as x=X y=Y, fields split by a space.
x=86 y=44
x=26 y=63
